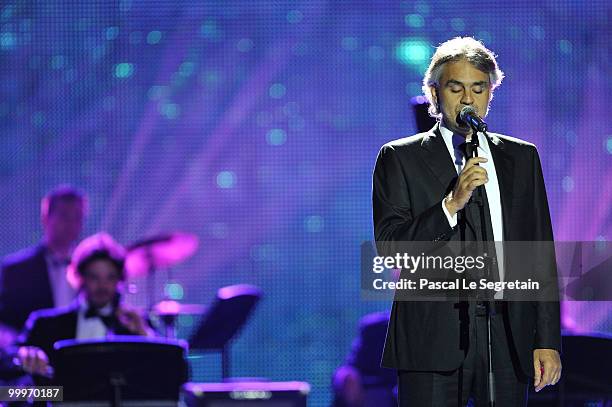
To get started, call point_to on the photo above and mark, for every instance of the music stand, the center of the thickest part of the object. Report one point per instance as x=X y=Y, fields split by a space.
x=121 y=370
x=224 y=319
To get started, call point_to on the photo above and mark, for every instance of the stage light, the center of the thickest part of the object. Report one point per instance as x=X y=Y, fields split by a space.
x=170 y=110
x=276 y=137
x=124 y=70
x=209 y=30
x=156 y=92
x=7 y=41
x=414 y=52
x=314 y=224
x=153 y=37
x=112 y=33
x=226 y=179
x=264 y=252
x=245 y=45
x=414 y=20
x=186 y=69
x=277 y=91
x=174 y=291
x=565 y=46
x=350 y=43
x=567 y=183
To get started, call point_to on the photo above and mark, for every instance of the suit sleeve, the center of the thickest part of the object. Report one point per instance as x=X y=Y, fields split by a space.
x=33 y=333
x=548 y=318
x=393 y=211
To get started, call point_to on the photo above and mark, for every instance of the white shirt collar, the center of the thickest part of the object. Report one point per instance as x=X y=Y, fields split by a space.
x=453 y=140
x=84 y=306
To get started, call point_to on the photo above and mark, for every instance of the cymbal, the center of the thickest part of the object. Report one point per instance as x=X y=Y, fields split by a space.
x=163 y=250
x=171 y=308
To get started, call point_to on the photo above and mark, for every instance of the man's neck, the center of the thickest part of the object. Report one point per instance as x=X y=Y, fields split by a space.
x=85 y=304
x=58 y=249
x=466 y=136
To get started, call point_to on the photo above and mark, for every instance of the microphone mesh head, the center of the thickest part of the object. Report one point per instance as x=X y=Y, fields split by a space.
x=467 y=111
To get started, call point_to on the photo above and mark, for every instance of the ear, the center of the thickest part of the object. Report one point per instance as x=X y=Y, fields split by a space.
x=435 y=100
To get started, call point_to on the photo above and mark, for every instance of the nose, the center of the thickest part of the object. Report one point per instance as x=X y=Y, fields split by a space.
x=467 y=98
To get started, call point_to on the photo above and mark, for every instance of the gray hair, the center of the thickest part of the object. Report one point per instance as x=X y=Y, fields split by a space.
x=456 y=49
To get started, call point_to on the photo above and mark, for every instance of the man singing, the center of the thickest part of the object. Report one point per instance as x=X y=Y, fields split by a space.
x=420 y=186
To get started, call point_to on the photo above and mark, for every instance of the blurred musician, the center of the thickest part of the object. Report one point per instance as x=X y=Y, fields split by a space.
x=96 y=271
x=35 y=278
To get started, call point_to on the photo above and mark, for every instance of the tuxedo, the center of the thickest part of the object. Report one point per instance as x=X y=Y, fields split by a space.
x=45 y=327
x=411 y=178
x=24 y=286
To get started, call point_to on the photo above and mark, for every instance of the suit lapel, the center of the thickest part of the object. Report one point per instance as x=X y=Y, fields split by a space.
x=43 y=284
x=504 y=167
x=437 y=157
x=440 y=163
x=70 y=320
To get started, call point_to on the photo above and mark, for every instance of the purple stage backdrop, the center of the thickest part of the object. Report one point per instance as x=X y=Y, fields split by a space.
x=255 y=125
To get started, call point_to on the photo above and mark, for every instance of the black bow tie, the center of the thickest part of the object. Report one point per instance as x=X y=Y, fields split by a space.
x=108 y=320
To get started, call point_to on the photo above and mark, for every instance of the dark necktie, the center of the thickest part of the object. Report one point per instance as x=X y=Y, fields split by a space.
x=472 y=213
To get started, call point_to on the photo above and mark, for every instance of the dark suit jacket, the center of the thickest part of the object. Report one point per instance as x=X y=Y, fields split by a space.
x=24 y=286
x=411 y=178
x=45 y=327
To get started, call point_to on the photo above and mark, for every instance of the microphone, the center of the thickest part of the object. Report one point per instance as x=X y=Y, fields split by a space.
x=469 y=116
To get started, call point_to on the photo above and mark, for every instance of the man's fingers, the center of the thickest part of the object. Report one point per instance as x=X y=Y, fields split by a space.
x=557 y=377
x=474 y=161
x=476 y=183
x=41 y=361
x=30 y=360
x=33 y=359
x=470 y=176
x=537 y=376
x=472 y=170
x=41 y=355
x=548 y=375
x=473 y=177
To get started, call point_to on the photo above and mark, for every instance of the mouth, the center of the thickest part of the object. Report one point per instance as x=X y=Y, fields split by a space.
x=460 y=122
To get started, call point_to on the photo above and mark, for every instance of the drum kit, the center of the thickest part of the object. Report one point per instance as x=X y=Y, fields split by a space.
x=146 y=256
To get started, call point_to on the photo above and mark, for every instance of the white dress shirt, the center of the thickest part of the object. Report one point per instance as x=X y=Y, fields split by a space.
x=452 y=142
x=91 y=328
x=63 y=293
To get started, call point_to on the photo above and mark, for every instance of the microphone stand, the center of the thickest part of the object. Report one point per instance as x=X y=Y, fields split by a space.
x=472 y=149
